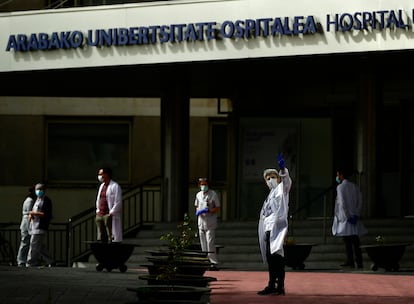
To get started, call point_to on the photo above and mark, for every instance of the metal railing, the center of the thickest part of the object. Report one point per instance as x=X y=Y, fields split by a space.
x=325 y=195
x=68 y=242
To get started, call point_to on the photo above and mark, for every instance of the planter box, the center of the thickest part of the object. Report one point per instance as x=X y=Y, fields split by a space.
x=170 y=294
x=296 y=254
x=179 y=279
x=112 y=255
x=188 y=253
x=386 y=256
x=184 y=264
x=155 y=269
x=181 y=260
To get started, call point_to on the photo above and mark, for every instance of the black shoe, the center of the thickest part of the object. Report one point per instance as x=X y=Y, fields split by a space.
x=280 y=291
x=214 y=268
x=268 y=290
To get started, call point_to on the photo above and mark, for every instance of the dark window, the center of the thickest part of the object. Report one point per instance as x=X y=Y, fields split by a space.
x=77 y=149
x=219 y=152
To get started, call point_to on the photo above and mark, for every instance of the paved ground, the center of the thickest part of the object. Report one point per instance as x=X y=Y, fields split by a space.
x=86 y=285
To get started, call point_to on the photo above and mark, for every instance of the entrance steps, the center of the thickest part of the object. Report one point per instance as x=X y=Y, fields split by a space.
x=241 y=250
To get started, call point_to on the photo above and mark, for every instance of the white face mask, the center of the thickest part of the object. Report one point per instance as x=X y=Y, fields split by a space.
x=271 y=183
x=204 y=188
x=100 y=178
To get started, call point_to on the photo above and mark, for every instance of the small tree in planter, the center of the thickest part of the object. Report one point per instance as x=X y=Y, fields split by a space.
x=168 y=272
x=177 y=243
x=179 y=259
x=185 y=237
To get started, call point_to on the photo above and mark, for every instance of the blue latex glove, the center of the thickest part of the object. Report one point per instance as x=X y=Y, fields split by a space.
x=281 y=161
x=353 y=220
x=201 y=211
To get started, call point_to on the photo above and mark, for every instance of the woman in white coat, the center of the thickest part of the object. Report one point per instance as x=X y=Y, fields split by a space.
x=273 y=227
x=108 y=208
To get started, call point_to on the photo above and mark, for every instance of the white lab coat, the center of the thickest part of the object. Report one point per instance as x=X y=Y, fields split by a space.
x=274 y=217
x=114 y=199
x=348 y=203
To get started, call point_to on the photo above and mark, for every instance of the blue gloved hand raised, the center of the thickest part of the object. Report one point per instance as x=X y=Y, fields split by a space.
x=281 y=161
x=201 y=211
x=353 y=219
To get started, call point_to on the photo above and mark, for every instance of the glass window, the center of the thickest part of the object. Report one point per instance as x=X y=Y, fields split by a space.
x=76 y=149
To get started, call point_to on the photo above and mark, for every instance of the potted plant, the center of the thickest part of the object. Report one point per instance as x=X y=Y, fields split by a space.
x=385 y=255
x=295 y=253
x=171 y=275
x=178 y=258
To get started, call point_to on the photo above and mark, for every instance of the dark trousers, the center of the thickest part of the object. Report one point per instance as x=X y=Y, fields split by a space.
x=352 y=249
x=276 y=266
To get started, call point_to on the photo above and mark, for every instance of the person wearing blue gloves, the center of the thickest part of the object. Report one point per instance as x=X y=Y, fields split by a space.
x=273 y=226
x=207 y=205
x=346 y=222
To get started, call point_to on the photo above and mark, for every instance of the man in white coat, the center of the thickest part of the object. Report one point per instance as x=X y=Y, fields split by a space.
x=108 y=208
x=346 y=223
x=273 y=227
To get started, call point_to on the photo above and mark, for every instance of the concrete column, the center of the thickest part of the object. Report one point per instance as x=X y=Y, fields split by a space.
x=367 y=143
x=175 y=149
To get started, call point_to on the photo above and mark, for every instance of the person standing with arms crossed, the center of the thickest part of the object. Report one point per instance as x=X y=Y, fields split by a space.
x=346 y=222
x=108 y=208
x=39 y=220
x=273 y=226
x=207 y=205
x=24 y=228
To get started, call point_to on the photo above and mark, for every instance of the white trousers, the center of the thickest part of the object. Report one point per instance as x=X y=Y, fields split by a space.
x=208 y=244
x=38 y=251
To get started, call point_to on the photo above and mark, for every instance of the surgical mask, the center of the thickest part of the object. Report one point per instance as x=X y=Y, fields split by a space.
x=100 y=178
x=204 y=188
x=338 y=180
x=40 y=192
x=271 y=183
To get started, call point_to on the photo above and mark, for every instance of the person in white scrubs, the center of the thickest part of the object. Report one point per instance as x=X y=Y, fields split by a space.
x=207 y=204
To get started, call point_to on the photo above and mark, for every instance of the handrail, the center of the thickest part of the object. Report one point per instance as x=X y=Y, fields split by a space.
x=323 y=194
x=311 y=201
x=146 y=182
x=81 y=214
x=57 y=240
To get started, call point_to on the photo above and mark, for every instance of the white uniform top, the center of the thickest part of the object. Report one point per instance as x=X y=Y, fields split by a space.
x=26 y=208
x=274 y=216
x=348 y=203
x=114 y=199
x=207 y=221
x=34 y=225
